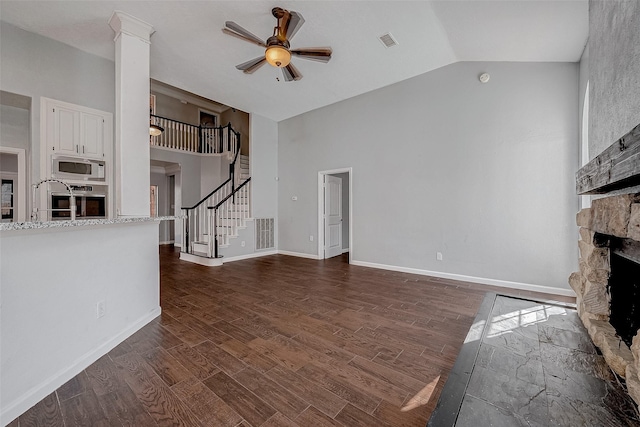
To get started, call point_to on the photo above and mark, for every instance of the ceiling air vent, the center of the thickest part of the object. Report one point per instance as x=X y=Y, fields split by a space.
x=388 y=40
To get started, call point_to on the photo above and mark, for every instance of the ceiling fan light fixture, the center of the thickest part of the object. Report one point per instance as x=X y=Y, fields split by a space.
x=155 y=130
x=278 y=56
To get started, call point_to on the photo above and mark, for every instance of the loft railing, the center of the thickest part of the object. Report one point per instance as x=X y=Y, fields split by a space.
x=183 y=136
x=198 y=227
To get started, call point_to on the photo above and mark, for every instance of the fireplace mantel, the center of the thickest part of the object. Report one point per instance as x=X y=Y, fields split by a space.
x=617 y=167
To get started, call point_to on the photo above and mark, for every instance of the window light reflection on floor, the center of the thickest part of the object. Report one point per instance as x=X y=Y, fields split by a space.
x=506 y=323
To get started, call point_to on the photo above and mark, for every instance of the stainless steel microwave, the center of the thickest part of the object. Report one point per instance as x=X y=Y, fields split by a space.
x=76 y=168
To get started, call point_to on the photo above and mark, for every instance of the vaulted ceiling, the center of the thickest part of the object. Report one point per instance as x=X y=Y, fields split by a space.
x=190 y=52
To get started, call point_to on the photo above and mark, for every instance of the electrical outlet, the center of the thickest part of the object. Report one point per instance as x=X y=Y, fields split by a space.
x=311 y=238
x=439 y=256
x=101 y=309
x=243 y=243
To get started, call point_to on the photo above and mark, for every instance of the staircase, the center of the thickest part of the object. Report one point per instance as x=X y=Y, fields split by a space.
x=243 y=171
x=215 y=220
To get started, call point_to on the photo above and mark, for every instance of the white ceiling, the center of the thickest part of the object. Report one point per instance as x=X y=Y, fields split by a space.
x=190 y=52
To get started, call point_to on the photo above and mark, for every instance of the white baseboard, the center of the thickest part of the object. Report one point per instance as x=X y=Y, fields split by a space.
x=344 y=251
x=247 y=256
x=207 y=262
x=299 y=254
x=493 y=282
x=49 y=385
x=178 y=245
x=167 y=242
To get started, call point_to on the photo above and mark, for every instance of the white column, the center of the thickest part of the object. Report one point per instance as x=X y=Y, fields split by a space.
x=132 y=163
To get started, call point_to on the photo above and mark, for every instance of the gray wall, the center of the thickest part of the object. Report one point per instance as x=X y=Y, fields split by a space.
x=190 y=169
x=8 y=162
x=614 y=71
x=442 y=163
x=240 y=122
x=264 y=187
x=14 y=127
x=172 y=108
x=35 y=66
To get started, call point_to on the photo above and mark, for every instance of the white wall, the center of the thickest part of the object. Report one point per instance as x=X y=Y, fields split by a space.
x=51 y=281
x=483 y=173
x=36 y=66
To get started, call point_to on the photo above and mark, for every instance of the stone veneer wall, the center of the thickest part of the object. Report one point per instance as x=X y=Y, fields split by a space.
x=617 y=216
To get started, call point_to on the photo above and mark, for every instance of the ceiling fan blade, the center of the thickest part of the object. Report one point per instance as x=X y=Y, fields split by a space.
x=236 y=30
x=320 y=54
x=293 y=24
x=251 y=66
x=291 y=73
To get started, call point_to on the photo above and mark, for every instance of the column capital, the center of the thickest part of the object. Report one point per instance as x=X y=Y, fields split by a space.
x=123 y=23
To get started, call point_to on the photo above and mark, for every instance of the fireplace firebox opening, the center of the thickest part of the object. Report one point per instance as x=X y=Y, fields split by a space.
x=624 y=289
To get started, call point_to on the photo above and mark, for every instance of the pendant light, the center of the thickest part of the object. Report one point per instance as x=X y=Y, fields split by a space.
x=154 y=129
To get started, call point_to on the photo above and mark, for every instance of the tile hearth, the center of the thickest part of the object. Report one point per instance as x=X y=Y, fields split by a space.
x=528 y=363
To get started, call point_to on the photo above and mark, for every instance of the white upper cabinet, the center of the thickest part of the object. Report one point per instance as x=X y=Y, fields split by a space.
x=77 y=131
x=92 y=134
x=66 y=130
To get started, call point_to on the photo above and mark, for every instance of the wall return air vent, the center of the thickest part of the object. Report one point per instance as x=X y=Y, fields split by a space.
x=265 y=233
x=388 y=40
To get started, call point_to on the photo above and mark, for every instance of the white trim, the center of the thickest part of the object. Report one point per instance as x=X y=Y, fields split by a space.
x=176 y=150
x=320 y=238
x=248 y=256
x=173 y=169
x=299 y=254
x=40 y=391
x=178 y=245
x=207 y=262
x=471 y=279
x=158 y=169
x=345 y=250
x=20 y=203
x=167 y=242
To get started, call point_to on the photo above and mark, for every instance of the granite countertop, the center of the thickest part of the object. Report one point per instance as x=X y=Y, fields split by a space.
x=7 y=226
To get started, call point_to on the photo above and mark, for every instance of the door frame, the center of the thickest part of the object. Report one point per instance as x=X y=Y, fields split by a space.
x=178 y=230
x=321 y=175
x=20 y=214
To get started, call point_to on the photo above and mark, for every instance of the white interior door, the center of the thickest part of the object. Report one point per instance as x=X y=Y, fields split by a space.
x=332 y=216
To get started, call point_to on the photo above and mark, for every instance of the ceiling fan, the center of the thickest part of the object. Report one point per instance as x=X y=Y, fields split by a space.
x=278 y=52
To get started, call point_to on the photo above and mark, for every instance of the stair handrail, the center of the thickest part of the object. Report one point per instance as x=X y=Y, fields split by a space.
x=215 y=214
x=187 y=209
x=218 y=188
x=230 y=194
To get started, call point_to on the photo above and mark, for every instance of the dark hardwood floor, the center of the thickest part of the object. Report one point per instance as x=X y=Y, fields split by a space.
x=277 y=341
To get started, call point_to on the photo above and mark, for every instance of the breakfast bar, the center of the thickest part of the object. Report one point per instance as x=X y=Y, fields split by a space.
x=71 y=291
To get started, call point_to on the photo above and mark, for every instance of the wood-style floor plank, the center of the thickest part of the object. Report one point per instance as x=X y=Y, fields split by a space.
x=277 y=341
x=243 y=401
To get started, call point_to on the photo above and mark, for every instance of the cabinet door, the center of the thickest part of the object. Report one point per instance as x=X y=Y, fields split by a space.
x=92 y=141
x=66 y=130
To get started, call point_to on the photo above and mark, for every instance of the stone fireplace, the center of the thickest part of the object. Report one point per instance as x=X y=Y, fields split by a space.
x=607 y=284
